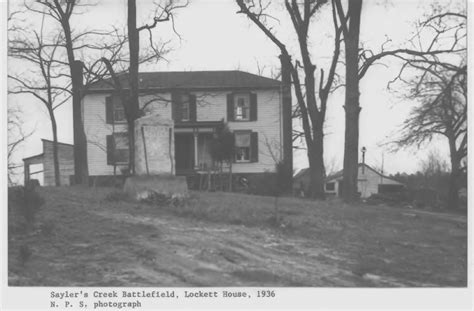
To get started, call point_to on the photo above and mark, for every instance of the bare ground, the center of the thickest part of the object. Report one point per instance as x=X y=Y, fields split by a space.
x=81 y=238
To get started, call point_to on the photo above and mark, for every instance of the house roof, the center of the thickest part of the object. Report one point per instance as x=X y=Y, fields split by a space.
x=166 y=80
x=339 y=174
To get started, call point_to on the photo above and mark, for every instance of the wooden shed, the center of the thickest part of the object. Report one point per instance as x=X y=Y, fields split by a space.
x=44 y=164
x=369 y=182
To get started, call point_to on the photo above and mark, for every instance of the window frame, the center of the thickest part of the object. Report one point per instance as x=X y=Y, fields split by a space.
x=184 y=100
x=249 y=147
x=333 y=183
x=117 y=105
x=246 y=97
x=115 y=149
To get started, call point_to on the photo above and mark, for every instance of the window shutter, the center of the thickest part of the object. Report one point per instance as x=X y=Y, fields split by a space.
x=192 y=107
x=254 y=147
x=109 y=110
x=230 y=107
x=175 y=105
x=110 y=150
x=253 y=107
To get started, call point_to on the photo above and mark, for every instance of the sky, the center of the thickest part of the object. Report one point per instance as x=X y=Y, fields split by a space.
x=214 y=37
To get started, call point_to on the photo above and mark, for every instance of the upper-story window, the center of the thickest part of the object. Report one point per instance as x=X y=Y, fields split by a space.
x=114 y=109
x=242 y=106
x=184 y=107
x=119 y=111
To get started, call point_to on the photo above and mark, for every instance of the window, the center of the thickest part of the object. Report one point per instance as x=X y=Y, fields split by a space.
x=184 y=107
x=118 y=111
x=114 y=110
x=331 y=186
x=242 y=107
x=117 y=148
x=242 y=147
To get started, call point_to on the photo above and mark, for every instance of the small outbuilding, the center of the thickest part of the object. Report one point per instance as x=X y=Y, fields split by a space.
x=369 y=181
x=41 y=166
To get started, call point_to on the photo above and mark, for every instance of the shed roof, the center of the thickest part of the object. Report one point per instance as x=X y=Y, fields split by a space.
x=339 y=174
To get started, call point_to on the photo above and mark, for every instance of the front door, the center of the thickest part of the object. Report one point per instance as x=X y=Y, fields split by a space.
x=184 y=153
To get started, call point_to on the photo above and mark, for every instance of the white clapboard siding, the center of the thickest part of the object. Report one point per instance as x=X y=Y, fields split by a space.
x=211 y=106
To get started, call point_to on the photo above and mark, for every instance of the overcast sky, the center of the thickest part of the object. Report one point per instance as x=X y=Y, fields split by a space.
x=214 y=37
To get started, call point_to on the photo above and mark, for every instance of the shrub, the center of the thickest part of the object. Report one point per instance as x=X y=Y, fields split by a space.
x=26 y=201
x=116 y=196
x=162 y=200
x=391 y=198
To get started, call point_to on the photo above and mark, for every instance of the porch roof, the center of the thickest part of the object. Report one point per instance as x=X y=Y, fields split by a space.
x=198 y=124
x=34 y=159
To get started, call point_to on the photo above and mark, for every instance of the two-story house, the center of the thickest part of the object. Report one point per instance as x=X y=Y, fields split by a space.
x=198 y=102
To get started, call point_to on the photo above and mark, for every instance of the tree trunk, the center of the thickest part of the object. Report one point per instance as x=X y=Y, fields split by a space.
x=316 y=166
x=57 y=178
x=453 y=191
x=134 y=46
x=352 y=108
x=287 y=157
x=81 y=172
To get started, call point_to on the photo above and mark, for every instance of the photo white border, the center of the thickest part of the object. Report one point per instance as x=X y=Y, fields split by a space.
x=31 y=298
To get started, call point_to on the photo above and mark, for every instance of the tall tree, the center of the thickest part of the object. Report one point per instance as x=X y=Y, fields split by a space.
x=434 y=41
x=163 y=13
x=62 y=11
x=442 y=111
x=350 y=22
x=312 y=114
x=44 y=79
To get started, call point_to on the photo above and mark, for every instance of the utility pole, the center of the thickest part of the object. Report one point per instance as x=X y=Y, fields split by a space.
x=363 y=159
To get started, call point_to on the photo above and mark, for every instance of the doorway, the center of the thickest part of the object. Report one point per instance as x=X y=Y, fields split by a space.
x=184 y=152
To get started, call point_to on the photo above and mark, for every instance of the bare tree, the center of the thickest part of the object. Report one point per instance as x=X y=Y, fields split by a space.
x=311 y=114
x=61 y=11
x=442 y=111
x=44 y=81
x=446 y=40
x=17 y=135
x=163 y=13
x=350 y=22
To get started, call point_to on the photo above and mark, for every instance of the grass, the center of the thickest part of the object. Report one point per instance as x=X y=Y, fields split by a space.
x=92 y=237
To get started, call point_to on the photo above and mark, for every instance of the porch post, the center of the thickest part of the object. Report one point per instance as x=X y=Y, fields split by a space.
x=195 y=132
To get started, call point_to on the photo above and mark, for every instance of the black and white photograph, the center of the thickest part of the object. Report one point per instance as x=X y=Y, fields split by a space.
x=248 y=146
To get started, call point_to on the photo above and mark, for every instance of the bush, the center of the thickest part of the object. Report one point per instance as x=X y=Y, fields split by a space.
x=393 y=198
x=116 y=196
x=162 y=200
x=26 y=201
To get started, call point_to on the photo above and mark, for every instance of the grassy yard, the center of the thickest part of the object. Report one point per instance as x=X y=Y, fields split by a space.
x=83 y=237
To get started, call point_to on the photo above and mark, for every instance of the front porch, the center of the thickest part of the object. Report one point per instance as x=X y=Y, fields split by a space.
x=192 y=146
